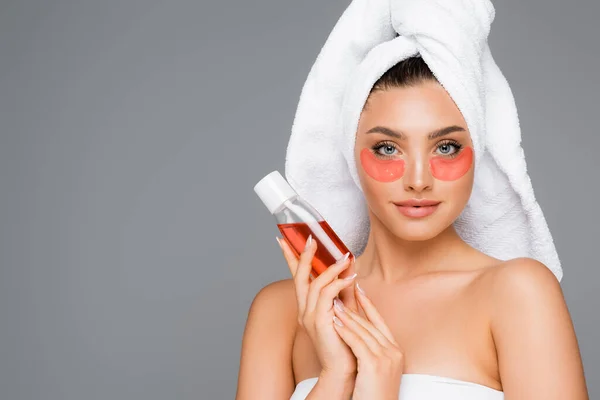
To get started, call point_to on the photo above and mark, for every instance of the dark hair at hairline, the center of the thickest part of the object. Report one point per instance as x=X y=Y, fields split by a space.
x=408 y=72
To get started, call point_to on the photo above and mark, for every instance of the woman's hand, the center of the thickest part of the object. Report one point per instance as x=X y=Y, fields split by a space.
x=315 y=310
x=379 y=357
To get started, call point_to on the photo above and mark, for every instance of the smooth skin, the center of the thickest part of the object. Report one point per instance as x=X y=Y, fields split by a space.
x=436 y=304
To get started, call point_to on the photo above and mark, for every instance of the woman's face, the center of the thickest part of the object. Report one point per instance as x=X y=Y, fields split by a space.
x=413 y=143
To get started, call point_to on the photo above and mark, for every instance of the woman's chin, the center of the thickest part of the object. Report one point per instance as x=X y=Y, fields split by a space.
x=417 y=229
x=417 y=236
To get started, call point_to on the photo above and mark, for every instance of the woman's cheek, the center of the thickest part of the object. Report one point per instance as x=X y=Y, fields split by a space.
x=381 y=170
x=450 y=169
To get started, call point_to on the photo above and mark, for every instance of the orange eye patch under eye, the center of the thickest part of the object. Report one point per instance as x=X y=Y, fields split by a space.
x=445 y=169
x=381 y=170
x=450 y=169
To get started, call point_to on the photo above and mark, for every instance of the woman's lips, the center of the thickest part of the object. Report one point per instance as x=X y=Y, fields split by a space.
x=417 y=212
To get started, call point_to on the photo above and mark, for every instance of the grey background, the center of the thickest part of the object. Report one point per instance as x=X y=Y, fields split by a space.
x=132 y=133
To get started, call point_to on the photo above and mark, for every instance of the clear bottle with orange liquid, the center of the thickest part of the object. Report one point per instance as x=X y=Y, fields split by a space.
x=296 y=219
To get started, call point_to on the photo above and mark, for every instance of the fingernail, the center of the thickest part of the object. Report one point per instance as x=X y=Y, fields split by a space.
x=343 y=259
x=349 y=278
x=278 y=241
x=308 y=242
x=337 y=303
x=360 y=289
x=337 y=321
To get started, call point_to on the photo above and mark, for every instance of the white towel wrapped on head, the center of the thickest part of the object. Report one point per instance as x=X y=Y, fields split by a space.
x=502 y=217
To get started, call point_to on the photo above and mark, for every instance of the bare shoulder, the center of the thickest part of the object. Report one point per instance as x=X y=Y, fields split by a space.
x=511 y=285
x=275 y=306
x=267 y=343
x=532 y=331
x=276 y=297
x=521 y=278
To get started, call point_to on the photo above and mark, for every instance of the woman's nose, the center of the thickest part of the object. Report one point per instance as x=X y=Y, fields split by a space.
x=417 y=176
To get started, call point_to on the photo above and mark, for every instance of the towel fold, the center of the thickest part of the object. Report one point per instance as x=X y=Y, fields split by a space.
x=502 y=217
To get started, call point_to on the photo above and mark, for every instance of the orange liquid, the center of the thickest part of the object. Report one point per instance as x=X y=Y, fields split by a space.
x=296 y=235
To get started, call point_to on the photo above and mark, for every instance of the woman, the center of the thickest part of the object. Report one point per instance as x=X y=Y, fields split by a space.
x=435 y=317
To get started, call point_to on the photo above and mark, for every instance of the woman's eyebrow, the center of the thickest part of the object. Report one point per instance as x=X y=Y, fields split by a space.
x=400 y=135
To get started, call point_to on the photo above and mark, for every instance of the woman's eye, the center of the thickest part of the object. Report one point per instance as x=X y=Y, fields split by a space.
x=387 y=150
x=446 y=148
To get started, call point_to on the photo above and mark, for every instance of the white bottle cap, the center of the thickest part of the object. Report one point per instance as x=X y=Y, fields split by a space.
x=274 y=190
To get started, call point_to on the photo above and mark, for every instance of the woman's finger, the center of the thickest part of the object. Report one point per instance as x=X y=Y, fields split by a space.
x=331 y=273
x=365 y=334
x=347 y=294
x=372 y=314
x=331 y=292
x=324 y=279
x=344 y=312
x=289 y=256
x=356 y=344
x=301 y=267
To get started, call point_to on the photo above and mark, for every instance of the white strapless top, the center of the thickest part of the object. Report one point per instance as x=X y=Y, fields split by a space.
x=423 y=387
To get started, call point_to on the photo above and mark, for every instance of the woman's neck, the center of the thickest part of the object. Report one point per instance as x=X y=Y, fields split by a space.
x=390 y=259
